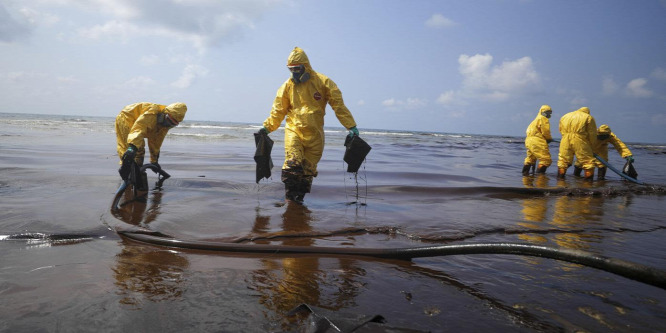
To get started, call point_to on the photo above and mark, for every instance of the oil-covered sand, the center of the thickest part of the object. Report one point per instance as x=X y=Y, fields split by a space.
x=64 y=268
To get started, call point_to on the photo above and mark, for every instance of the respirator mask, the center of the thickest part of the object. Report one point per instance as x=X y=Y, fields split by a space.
x=298 y=73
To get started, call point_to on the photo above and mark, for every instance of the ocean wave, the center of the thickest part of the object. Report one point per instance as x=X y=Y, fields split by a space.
x=217 y=127
x=204 y=136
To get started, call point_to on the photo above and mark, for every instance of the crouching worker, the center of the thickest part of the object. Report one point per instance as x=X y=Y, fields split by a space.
x=537 y=140
x=140 y=121
x=604 y=137
x=302 y=100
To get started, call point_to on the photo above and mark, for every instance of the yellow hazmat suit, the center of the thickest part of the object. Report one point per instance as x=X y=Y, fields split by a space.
x=537 y=139
x=601 y=147
x=139 y=121
x=579 y=135
x=304 y=104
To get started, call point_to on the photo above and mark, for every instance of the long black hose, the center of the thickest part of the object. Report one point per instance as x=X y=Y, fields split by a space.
x=132 y=180
x=634 y=271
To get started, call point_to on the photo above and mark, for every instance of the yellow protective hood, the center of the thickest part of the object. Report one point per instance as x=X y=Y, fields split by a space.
x=545 y=108
x=604 y=129
x=585 y=109
x=298 y=57
x=177 y=111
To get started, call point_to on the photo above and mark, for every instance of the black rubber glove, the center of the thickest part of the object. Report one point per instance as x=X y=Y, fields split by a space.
x=128 y=159
x=130 y=153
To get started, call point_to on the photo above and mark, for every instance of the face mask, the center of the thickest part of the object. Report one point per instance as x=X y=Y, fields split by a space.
x=166 y=121
x=546 y=114
x=298 y=74
x=602 y=137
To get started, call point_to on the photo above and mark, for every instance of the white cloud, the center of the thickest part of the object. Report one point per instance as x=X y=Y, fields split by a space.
x=636 y=88
x=389 y=102
x=415 y=103
x=36 y=17
x=139 y=82
x=497 y=96
x=446 y=98
x=67 y=79
x=457 y=114
x=408 y=104
x=578 y=101
x=189 y=75
x=659 y=74
x=482 y=80
x=14 y=25
x=202 y=23
x=499 y=82
x=113 y=30
x=24 y=77
x=609 y=86
x=439 y=21
x=149 y=60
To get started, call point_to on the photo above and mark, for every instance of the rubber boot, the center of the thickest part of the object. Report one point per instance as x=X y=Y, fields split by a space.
x=602 y=174
x=589 y=174
x=303 y=188
x=561 y=172
x=526 y=169
x=542 y=168
x=292 y=194
x=292 y=184
x=577 y=171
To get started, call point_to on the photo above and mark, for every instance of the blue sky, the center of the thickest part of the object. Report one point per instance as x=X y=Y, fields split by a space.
x=477 y=67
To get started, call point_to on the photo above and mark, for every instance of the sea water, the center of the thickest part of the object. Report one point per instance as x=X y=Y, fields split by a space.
x=64 y=267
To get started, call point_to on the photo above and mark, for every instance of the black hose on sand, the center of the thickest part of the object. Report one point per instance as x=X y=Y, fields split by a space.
x=630 y=270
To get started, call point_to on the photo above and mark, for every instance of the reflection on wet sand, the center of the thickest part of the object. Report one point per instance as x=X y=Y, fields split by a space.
x=143 y=272
x=148 y=273
x=534 y=209
x=136 y=211
x=572 y=215
x=285 y=283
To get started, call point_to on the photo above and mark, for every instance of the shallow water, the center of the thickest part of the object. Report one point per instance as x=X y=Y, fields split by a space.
x=64 y=268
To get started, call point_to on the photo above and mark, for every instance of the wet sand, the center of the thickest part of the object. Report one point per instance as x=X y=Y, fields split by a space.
x=64 y=268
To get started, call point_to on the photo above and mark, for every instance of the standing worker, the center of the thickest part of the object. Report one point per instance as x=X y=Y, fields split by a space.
x=140 y=121
x=537 y=140
x=302 y=100
x=579 y=135
x=604 y=137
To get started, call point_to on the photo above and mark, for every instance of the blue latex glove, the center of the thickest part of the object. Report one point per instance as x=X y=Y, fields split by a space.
x=629 y=159
x=353 y=131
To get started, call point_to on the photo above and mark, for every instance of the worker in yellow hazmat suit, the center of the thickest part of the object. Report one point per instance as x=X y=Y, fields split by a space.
x=537 y=140
x=579 y=135
x=604 y=137
x=302 y=100
x=140 y=121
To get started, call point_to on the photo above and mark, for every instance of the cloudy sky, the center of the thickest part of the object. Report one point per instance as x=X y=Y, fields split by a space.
x=477 y=67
